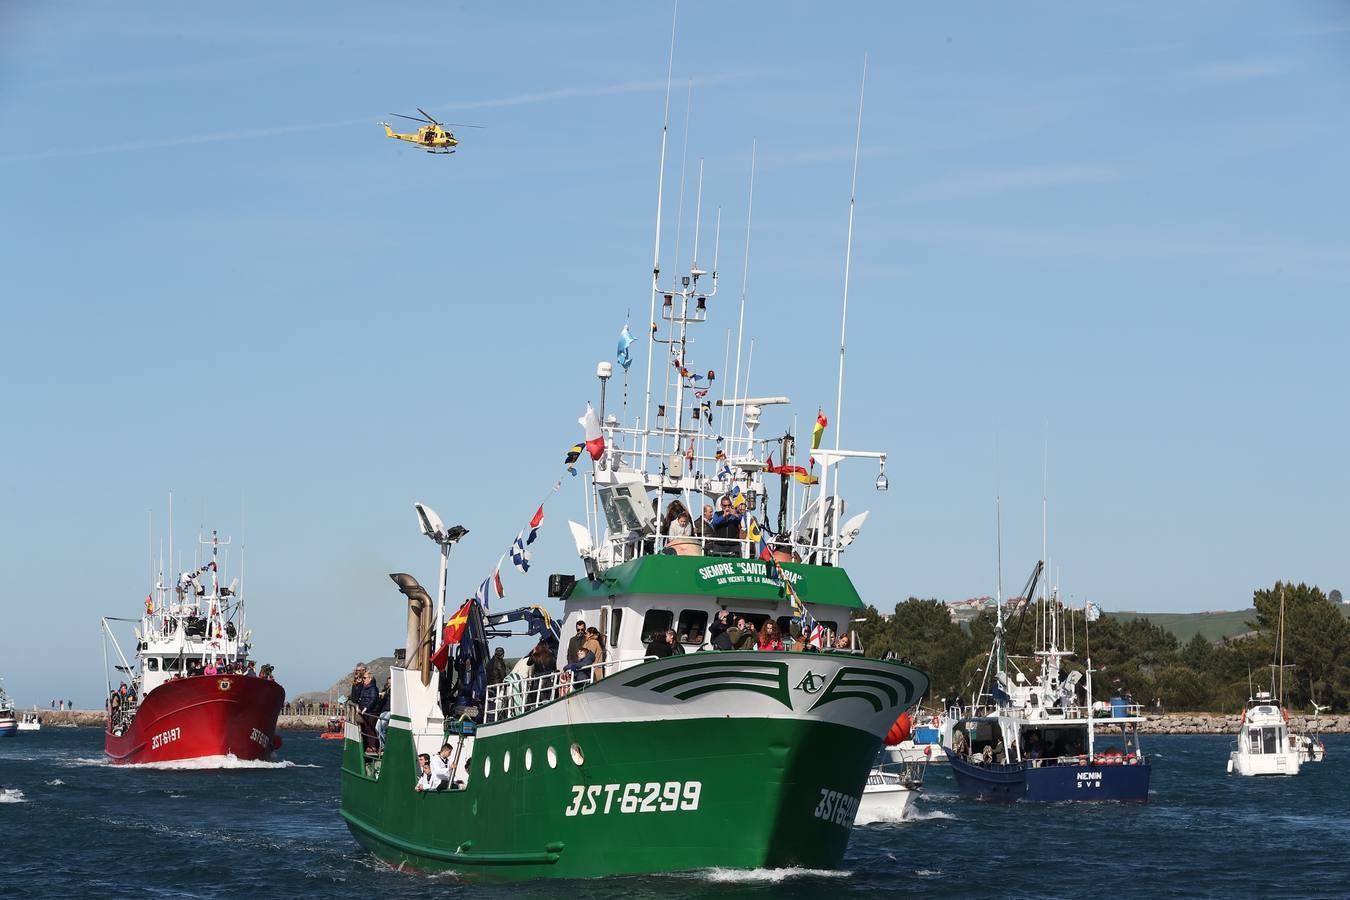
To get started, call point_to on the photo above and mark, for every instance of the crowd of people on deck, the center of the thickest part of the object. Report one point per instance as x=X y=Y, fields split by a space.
x=719 y=531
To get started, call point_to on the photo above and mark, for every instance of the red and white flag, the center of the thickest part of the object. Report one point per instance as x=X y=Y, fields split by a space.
x=595 y=440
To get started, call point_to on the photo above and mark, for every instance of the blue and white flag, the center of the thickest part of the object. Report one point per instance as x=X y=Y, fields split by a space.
x=1092 y=612
x=482 y=594
x=624 y=357
x=520 y=557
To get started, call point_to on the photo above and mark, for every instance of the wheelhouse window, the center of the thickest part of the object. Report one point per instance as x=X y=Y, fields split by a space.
x=152 y=663
x=615 y=617
x=693 y=626
x=657 y=621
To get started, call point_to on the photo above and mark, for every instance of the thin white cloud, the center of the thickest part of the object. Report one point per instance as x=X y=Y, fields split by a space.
x=550 y=96
x=1238 y=71
x=630 y=87
x=1324 y=28
x=1253 y=252
x=180 y=141
x=1022 y=178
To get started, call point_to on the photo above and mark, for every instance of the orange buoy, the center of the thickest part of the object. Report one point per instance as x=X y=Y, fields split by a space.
x=899 y=731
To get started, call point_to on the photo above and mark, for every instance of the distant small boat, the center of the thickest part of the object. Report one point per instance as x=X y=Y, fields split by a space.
x=29 y=721
x=334 y=731
x=1310 y=746
x=9 y=725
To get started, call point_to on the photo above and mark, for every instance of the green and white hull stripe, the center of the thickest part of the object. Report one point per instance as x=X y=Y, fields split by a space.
x=704 y=760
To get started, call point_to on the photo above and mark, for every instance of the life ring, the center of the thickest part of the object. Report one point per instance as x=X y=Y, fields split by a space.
x=564 y=684
x=1082 y=759
x=1132 y=759
x=935 y=722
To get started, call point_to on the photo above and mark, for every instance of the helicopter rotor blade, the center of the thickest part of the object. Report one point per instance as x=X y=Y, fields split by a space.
x=458 y=125
x=428 y=115
x=409 y=118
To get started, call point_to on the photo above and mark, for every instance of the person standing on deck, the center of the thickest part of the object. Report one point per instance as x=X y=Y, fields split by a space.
x=367 y=700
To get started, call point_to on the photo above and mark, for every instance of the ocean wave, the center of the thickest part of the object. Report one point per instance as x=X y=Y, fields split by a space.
x=12 y=795
x=80 y=762
x=55 y=782
x=766 y=876
x=927 y=873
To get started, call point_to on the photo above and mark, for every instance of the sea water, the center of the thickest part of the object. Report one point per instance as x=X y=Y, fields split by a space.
x=71 y=825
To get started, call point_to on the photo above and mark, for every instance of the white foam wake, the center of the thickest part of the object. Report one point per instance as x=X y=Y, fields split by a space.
x=916 y=816
x=55 y=782
x=880 y=816
x=12 y=795
x=770 y=876
x=228 y=761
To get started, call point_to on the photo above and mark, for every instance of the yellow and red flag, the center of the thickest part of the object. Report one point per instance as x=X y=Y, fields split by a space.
x=454 y=631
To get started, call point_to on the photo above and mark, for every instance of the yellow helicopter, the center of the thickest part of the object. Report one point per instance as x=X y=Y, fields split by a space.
x=433 y=136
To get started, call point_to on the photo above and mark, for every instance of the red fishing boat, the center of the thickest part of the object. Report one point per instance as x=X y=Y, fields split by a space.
x=192 y=692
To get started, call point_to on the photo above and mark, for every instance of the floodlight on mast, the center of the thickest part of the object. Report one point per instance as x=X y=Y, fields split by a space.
x=432 y=526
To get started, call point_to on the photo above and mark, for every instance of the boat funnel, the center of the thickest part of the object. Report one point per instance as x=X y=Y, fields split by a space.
x=421 y=624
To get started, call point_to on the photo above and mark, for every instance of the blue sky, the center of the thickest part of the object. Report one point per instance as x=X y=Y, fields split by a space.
x=1116 y=230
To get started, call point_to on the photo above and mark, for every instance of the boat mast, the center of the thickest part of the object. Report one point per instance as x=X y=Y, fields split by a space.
x=1280 y=695
x=656 y=251
x=745 y=277
x=848 y=264
x=998 y=591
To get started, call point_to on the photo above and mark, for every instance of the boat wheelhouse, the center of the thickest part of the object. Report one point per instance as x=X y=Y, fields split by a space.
x=192 y=692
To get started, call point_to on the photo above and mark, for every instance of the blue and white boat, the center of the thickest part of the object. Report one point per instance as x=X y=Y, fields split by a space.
x=9 y=723
x=1043 y=739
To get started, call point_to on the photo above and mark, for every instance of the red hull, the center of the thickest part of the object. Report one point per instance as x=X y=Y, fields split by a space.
x=206 y=715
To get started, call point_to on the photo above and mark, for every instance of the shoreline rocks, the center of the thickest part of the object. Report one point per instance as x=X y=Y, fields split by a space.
x=1219 y=723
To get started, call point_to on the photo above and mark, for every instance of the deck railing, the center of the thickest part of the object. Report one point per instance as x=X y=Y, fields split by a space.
x=516 y=696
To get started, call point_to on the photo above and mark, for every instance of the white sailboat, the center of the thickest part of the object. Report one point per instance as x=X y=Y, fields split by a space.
x=1264 y=745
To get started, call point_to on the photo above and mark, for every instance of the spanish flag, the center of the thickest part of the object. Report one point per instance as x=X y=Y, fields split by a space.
x=454 y=631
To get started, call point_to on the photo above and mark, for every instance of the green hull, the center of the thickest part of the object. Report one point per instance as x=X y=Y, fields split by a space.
x=736 y=760
x=762 y=783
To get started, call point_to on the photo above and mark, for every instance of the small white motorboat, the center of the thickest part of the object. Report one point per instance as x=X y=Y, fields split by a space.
x=1263 y=745
x=890 y=788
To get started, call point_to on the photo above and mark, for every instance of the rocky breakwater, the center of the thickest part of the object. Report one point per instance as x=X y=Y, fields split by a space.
x=53 y=717
x=91 y=718
x=1216 y=723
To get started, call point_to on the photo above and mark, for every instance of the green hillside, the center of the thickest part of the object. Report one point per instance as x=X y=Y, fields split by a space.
x=1213 y=625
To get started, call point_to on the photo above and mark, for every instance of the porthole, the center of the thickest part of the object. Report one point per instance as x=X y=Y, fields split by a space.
x=506 y=761
x=551 y=755
x=487 y=766
x=529 y=759
x=577 y=756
